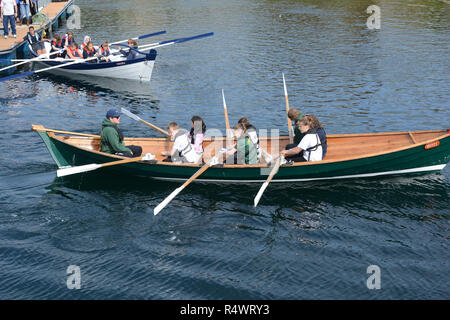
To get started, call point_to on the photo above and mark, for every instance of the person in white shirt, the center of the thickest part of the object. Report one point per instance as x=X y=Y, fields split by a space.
x=182 y=150
x=310 y=145
x=9 y=15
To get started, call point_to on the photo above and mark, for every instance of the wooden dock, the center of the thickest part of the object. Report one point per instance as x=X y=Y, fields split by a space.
x=52 y=11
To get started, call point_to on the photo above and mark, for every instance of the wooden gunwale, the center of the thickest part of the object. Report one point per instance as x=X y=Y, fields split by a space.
x=51 y=133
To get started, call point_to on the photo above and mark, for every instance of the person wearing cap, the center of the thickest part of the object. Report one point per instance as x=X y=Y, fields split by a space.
x=111 y=138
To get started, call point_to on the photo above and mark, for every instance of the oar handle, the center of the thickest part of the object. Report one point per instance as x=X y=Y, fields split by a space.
x=108 y=164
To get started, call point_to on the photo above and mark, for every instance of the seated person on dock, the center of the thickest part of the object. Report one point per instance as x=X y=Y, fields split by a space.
x=89 y=52
x=104 y=52
x=68 y=39
x=56 y=46
x=127 y=52
x=182 y=150
x=112 y=138
x=196 y=135
x=73 y=52
x=310 y=148
x=35 y=41
x=244 y=152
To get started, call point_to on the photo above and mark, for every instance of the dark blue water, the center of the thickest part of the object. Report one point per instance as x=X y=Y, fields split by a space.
x=306 y=241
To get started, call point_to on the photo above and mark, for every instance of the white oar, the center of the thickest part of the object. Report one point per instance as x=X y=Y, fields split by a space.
x=94 y=166
x=266 y=183
x=170 y=42
x=31 y=60
x=141 y=37
x=210 y=163
x=135 y=117
x=291 y=132
x=43 y=59
x=26 y=74
x=227 y=122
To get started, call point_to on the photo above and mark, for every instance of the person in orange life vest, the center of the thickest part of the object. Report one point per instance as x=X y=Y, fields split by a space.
x=104 y=52
x=56 y=46
x=73 y=52
x=89 y=52
x=87 y=39
x=68 y=39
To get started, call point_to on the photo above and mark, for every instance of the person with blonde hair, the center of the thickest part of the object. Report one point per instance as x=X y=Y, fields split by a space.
x=310 y=147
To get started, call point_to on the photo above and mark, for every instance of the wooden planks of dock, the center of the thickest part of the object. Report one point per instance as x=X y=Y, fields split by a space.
x=51 y=11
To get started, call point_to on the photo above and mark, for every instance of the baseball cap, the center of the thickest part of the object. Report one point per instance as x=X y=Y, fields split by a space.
x=112 y=113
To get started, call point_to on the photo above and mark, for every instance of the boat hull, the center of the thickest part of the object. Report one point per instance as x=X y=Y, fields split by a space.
x=402 y=161
x=119 y=68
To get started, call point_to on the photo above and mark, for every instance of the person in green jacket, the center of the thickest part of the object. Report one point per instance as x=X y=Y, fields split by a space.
x=244 y=152
x=111 y=138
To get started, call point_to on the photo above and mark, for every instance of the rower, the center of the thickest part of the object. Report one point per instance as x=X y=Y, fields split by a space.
x=89 y=52
x=35 y=41
x=244 y=151
x=250 y=130
x=73 y=52
x=310 y=148
x=130 y=54
x=68 y=39
x=56 y=46
x=104 y=52
x=111 y=138
x=182 y=151
x=196 y=136
x=87 y=39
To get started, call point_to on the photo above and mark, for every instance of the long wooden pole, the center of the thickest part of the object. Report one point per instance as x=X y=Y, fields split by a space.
x=291 y=131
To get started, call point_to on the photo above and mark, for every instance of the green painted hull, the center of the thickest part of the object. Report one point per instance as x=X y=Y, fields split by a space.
x=403 y=161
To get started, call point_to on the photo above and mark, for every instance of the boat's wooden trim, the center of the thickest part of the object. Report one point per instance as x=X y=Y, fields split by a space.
x=412 y=137
x=268 y=139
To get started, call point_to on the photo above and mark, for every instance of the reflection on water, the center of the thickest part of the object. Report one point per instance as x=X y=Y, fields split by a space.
x=303 y=241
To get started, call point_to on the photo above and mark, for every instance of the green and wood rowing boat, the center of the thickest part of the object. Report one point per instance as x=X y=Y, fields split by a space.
x=348 y=156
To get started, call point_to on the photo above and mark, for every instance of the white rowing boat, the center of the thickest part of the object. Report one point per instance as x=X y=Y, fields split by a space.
x=119 y=67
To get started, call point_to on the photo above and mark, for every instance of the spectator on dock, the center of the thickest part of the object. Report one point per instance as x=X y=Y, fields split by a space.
x=104 y=52
x=73 y=52
x=34 y=8
x=35 y=41
x=25 y=11
x=9 y=14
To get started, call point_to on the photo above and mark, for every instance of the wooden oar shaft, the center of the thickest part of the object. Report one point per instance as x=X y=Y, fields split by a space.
x=155 y=127
x=108 y=164
x=196 y=175
x=41 y=128
x=291 y=138
x=266 y=183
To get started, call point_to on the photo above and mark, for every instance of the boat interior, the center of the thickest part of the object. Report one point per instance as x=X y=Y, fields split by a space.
x=340 y=147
